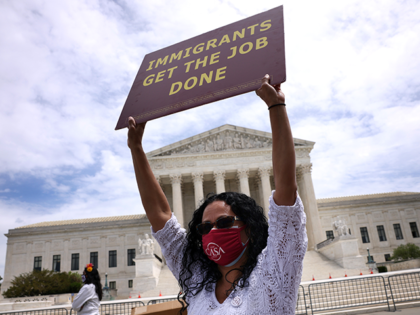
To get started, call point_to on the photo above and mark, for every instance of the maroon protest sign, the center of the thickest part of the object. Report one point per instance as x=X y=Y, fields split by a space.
x=228 y=61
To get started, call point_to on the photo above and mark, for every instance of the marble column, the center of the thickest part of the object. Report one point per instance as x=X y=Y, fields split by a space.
x=176 y=180
x=198 y=188
x=389 y=230
x=84 y=255
x=103 y=256
x=66 y=257
x=264 y=175
x=121 y=253
x=243 y=181
x=219 y=178
x=307 y=194
x=8 y=268
x=29 y=257
x=47 y=258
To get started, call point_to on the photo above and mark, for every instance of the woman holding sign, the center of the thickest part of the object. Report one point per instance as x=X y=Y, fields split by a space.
x=231 y=261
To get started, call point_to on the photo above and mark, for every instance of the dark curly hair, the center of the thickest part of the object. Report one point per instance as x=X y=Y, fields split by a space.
x=194 y=257
x=95 y=278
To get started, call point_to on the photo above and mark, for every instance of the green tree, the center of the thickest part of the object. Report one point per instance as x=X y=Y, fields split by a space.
x=0 y=281
x=44 y=282
x=404 y=252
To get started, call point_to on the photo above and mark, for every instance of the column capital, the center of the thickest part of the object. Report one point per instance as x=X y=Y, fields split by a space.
x=303 y=169
x=197 y=177
x=264 y=171
x=242 y=173
x=219 y=175
x=176 y=178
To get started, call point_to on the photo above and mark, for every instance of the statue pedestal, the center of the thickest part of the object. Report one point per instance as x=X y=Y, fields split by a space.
x=372 y=266
x=344 y=250
x=147 y=273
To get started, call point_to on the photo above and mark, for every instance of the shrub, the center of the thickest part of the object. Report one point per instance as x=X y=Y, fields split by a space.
x=44 y=282
x=405 y=252
x=382 y=269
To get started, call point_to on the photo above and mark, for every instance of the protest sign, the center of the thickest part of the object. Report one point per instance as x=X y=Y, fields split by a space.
x=228 y=61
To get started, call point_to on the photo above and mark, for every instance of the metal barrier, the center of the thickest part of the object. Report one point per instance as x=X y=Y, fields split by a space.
x=50 y=311
x=330 y=295
x=405 y=287
x=323 y=296
x=123 y=308
x=119 y=308
x=301 y=302
x=160 y=301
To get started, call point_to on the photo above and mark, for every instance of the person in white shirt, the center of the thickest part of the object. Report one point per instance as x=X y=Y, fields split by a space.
x=231 y=260
x=88 y=299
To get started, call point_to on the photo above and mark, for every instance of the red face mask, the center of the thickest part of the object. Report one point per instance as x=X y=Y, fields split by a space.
x=224 y=246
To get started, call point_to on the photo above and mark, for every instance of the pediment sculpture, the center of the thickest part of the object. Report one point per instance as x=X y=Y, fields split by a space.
x=223 y=141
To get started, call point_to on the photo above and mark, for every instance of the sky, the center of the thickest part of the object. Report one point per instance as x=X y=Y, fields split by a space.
x=353 y=87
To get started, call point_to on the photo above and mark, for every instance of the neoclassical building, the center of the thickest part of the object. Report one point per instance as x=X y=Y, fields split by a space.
x=228 y=158
x=380 y=222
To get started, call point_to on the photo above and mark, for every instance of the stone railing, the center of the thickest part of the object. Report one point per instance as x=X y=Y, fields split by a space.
x=328 y=241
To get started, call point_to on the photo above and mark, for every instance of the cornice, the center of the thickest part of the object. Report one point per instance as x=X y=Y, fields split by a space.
x=375 y=200
x=78 y=228
x=190 y=160
x=208 y=141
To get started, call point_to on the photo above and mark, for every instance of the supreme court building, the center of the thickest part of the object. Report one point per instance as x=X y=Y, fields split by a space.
x=227 y=158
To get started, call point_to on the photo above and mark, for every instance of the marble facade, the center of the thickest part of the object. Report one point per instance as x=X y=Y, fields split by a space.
x=368 y=212
x=228 y=158
x=81 y=237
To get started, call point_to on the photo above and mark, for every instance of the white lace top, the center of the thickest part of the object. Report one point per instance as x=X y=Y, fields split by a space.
x=274 y=282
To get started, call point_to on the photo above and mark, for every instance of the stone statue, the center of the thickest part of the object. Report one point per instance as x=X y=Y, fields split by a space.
x=229 y=142
x=340 y=227
x=237 y=142
x=219 y=143
x=249 y=143
x=209 y=145
x=139 y=246
x=146 y=246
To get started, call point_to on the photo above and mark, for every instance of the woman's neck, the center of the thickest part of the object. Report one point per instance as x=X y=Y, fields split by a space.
x=229 y=277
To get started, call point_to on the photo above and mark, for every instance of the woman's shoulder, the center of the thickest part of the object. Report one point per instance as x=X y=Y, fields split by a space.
x=88 y=287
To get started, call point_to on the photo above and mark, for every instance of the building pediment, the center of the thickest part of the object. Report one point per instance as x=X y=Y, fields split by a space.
x=224 y=138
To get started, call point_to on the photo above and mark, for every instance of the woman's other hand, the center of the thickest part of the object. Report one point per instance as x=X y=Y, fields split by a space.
x=135 y=133
x=270 y=94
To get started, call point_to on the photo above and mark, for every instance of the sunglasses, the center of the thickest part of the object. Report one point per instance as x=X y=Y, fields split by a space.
x=222 y=223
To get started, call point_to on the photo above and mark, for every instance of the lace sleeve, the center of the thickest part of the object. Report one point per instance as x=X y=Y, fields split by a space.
x=172 y=240
x=286 y=245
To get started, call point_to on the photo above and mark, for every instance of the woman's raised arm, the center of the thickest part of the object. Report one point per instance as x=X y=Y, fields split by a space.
x=154 y=201
x=284 y=160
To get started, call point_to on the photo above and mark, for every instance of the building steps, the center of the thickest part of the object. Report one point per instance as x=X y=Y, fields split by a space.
x=167 y=284
x=316 y=265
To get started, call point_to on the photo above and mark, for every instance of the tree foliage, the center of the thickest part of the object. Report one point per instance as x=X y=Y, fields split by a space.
x=405 y=252
x=44 y=282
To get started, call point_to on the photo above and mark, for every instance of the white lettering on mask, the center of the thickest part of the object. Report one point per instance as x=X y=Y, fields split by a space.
x=214 y=251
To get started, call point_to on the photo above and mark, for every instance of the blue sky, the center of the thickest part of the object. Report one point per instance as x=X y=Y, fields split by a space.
x=353 y=87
